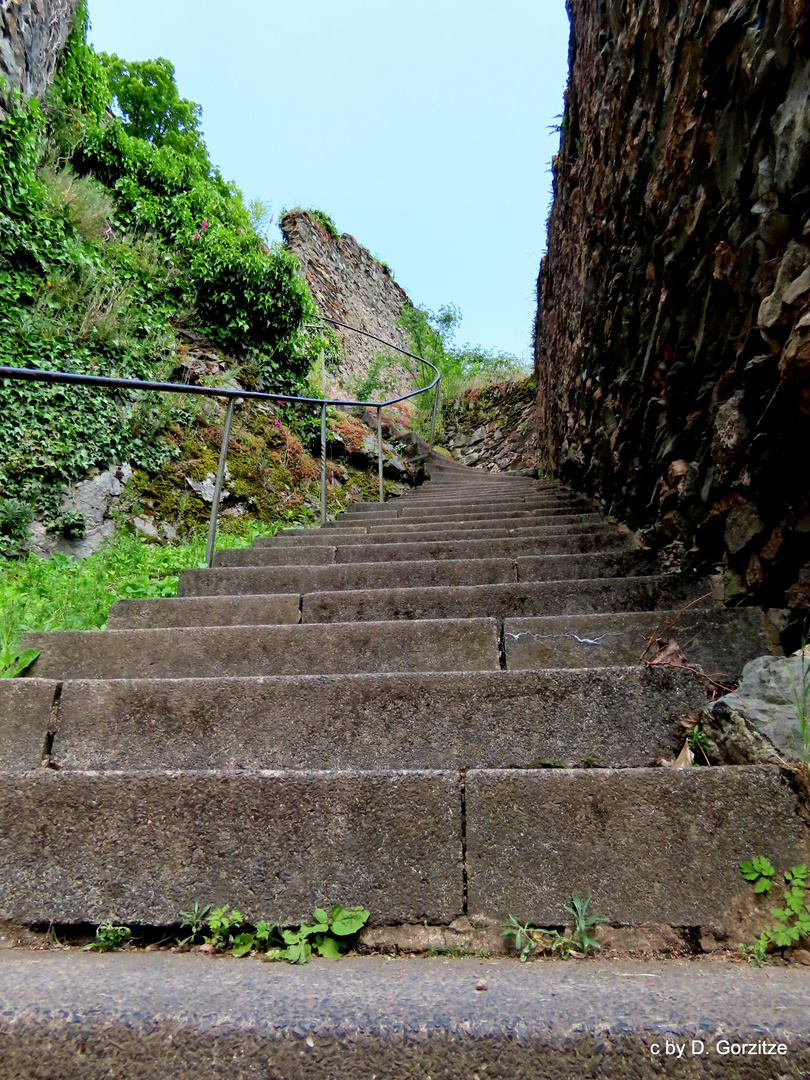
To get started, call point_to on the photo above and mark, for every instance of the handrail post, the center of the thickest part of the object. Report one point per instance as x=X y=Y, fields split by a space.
x=323 y=464
x=380 y=452
x=223 y=454
x=433 y=417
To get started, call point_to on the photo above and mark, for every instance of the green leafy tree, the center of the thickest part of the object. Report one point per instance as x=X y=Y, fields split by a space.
x=146 y=96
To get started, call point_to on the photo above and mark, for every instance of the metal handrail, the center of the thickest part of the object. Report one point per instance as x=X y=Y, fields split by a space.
x=113 y=383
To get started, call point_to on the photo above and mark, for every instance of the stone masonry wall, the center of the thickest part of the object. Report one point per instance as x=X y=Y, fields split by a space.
x=349 y=284
x=673 y=329
x=32 y=34
x=491 y=428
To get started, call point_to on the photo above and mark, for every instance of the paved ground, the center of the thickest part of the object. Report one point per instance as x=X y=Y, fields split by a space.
x=158 y=1015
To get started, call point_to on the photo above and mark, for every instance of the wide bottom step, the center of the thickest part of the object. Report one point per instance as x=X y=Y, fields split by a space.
x=155 y=1015
x=649 y=845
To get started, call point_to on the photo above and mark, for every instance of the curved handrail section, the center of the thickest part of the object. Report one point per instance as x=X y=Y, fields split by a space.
x=231 y=395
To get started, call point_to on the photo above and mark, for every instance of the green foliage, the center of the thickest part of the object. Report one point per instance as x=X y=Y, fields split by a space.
x=237 y=287
x=81 y=82
x=15 y=516
x=194 y=921
x=801 y=701
x=13 y=664
x=527 y=939
x=760 y=872
x=61 y=593
x=146 y=96
x=223 y=922
x=792 y=921
x=432 y=338
x=698 y=744
x=375 y=385
x=582 y=924
x=114 y=229
x=329 y=935
x=109 y=936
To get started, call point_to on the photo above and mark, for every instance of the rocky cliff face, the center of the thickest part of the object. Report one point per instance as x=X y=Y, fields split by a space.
x=349 y=284
x=673 y=330
x=32 y=33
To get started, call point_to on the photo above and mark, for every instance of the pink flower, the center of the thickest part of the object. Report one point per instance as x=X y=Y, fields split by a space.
x=196 y=235
x=204 y=225
x=277 y=423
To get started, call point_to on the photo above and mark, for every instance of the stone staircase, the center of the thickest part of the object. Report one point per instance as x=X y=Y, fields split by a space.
x=378 y=712
x=432 y=707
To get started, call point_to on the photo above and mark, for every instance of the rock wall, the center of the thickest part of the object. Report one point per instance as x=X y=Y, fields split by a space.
x=492 y=428
x=673 y=328
x=349 y=284
x=32 y=34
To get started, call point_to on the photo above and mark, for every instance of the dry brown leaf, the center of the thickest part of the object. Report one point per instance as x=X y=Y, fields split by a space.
x=685 y=759
x=669 y=654
x=690 y=721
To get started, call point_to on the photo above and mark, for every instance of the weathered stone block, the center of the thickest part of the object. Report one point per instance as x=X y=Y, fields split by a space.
x=25 y=707
x=647 y=845
x=141 y=847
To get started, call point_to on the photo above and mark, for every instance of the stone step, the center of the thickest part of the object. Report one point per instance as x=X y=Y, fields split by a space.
x=412 y=505
x=480 y=512
x=188 y=652
x=155 y=1015
x=720 y=643
x=142 y=846
x=409 y=845
x=647 y=845
x=373 y=528
x=400 y=532
x=273 y=594
x=500 y=601
x=420 y=498
x=490 y=719
x=258 y=610
x=202 y=582
x=450 y=544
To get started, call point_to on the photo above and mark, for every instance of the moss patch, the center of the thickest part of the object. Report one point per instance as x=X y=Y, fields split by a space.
x=272 y=477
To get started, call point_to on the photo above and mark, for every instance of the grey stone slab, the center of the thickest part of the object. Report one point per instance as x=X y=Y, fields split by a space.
x=413 y=721
x=647 y=845
x=282 y=556
x=500 y=601
x=482 y=513
x=239 y=581
x=533 y=500
x=537 y=542
x=25 y=710
x=489 y=508
x=355 y=547
x=361 y=510
x=718 y=642
x=315 y=533
x=263 y=610
x=140 y=847
x=529 y=518
x=589 y=565
x=156 y=1015
x=468 y=530
x=199 y=652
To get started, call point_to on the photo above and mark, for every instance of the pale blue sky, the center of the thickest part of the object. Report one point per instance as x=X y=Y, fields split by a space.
x=421 y=128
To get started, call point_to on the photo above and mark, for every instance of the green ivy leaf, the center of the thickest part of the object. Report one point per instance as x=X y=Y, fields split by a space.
x=345 y=921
